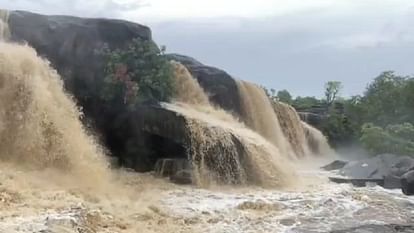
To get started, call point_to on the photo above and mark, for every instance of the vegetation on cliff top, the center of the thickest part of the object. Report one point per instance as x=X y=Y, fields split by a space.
x=381 y=119
x=139 y=73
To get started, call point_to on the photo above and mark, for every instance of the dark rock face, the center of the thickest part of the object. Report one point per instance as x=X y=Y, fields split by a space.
x=148 y=134
x=335 y=165
x=407 y=182
x=220 y=86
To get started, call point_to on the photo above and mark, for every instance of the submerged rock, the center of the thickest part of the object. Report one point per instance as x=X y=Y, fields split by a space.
x=182 y=177
x=170 y=166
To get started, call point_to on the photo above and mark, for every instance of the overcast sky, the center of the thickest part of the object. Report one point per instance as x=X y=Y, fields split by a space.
x=283 y=44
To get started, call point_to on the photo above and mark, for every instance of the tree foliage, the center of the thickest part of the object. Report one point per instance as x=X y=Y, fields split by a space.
x=284 y=96
x=385 y=100
x=139 y=73
x=381 y=119
x=332 y=89
x=396 y=139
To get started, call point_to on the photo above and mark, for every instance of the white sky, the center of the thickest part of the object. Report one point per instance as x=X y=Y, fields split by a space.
x=162 y=9
x=276 y=43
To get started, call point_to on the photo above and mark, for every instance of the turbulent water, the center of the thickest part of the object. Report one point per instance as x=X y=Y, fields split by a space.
x=55 y=177
x=39 y=123
x=223 y=149
x=317 y=142
x=292 y=128
x=4 y=27
x=258 y=114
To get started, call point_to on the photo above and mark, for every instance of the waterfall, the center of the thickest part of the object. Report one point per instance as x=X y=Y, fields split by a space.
x=4 y=25
x=317 y=142
x=259 y=115
x=292 y=128
x=223 y=149
x=40 y=125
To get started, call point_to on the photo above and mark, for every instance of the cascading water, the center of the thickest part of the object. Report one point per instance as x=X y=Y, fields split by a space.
x=4 y=26
x=292 y=128
x=259 y=115
x=280 y=124
x=318 y=144
x=223 y=149
x=39 y=124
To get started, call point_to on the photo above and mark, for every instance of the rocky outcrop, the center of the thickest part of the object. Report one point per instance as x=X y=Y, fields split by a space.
x=154 y=137
x=73 y=44
x=378 y=167
x=220 y=86
x=385 y=170
x=407 y=183
x=150 y=132
x=146 y=135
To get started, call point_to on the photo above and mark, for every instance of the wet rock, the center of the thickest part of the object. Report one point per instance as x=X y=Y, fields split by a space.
x=287 y=222
x=385 y=170
x=259 y=205
x=222 y=88
x=335 y=165
x=392 y=182
x=182 y=177
x=407 y=182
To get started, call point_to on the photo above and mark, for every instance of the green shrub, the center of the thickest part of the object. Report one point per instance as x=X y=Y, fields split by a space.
x=139 y=73
x=396 y=139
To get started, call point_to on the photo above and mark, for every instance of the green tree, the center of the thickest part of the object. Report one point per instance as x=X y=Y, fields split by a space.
x=332 y=89
x=385 y=98
x=303 y=103
x=396 y=139
x=284 y=96
x=139 y=73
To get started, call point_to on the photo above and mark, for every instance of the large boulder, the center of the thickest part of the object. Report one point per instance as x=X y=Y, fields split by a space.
x=146 y=135
x=155 y=137
x=73 y=46
x=378 y=167
x=220 y=86
x=385 y=169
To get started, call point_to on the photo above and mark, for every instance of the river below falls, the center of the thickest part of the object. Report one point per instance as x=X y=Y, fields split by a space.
x=316 y=205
